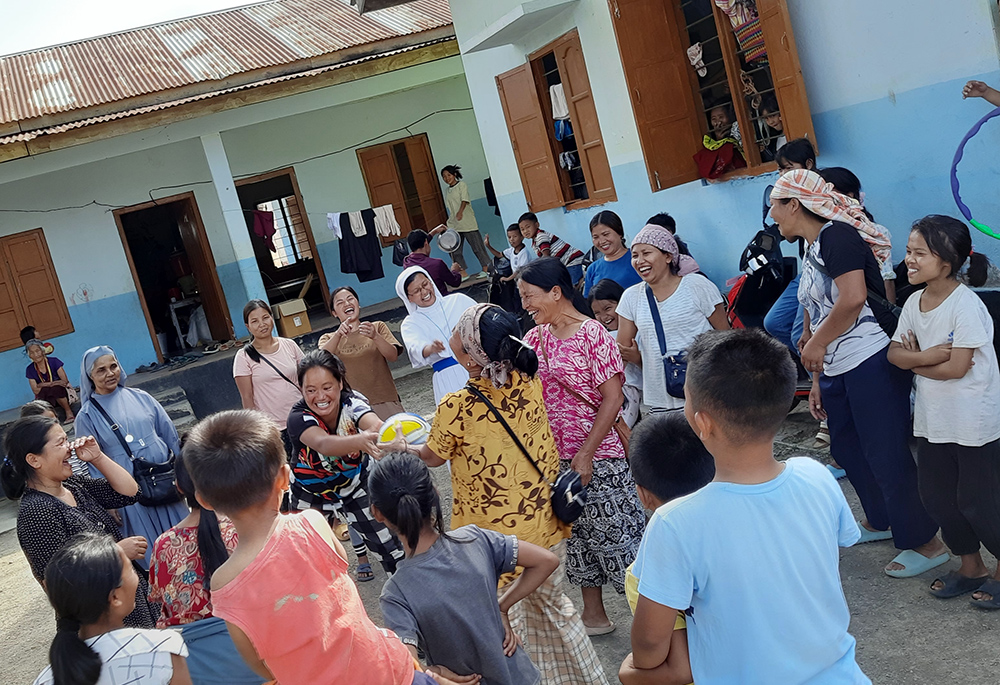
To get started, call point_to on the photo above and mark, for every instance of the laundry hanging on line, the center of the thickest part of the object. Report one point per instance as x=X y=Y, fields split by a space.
x=263 y=228
x=384 y=222
x=361 y=254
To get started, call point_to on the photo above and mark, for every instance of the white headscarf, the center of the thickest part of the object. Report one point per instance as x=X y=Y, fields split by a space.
x=90 y=358
x=401 y=289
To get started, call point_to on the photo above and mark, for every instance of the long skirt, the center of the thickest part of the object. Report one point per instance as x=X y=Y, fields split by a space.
x=606 y=537
x=554 y=634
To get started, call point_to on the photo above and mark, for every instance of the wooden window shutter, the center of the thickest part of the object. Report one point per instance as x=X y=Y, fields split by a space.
x=786 y=71
x=529 y=136
x=425 y=178
x=583 y=113
x=660 y=81
x=378 y=167
x=33 y=276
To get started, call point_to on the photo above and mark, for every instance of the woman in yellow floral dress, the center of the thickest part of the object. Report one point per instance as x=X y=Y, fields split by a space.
x=496 y=487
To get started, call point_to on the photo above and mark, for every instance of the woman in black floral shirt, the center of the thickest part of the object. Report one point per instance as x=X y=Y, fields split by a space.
x=56 y=505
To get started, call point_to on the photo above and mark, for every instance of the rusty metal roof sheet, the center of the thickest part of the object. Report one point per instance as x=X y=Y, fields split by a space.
x=123 y=114
x=197 y=50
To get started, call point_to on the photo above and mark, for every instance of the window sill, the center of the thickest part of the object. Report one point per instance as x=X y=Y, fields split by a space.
x=586 y=204
x=746 y=172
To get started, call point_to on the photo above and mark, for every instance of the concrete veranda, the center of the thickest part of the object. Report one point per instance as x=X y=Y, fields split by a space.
x=904 y=635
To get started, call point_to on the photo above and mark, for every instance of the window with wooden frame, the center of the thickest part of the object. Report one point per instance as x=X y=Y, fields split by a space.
x=553 y=126
x=29 y=290
x=291 y=244
x=686 y=60
x=401 y=173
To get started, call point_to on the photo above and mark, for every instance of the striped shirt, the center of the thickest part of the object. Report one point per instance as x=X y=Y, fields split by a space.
x=558 y=248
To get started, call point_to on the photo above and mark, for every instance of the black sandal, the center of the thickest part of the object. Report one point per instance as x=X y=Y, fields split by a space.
x=992 y=587
x=955 y=585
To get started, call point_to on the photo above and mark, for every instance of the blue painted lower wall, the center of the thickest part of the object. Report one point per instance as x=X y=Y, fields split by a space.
x=116 y=321
x=900 y=148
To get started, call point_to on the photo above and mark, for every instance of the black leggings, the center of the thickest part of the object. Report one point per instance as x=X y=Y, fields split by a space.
x=960 y=488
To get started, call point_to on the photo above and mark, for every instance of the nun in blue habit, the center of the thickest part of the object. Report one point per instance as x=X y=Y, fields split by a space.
x=145 y=426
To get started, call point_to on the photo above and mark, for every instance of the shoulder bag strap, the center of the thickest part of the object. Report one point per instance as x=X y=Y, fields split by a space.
x=115 y=428
x=872 y=295
x=654 y=311
x=267 y=361
x=517 y=441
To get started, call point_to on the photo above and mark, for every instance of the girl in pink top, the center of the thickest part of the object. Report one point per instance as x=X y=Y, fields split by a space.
x=285 y=594
x=582 y=374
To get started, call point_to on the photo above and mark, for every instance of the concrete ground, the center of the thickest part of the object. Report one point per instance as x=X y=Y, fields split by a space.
x=904 y=635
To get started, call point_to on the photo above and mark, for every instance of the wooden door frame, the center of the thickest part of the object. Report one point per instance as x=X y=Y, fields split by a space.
x=203 y=243
x=387 y=241
x=290 y=172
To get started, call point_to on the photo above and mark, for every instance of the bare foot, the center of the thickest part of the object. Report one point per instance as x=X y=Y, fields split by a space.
x=869 y=527
x=930 y=550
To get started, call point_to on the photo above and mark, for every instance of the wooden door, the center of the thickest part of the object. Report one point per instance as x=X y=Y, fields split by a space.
x=199 y=255
x=418 y=150
x=11 y=315
x=378 y=167
x=789 y=86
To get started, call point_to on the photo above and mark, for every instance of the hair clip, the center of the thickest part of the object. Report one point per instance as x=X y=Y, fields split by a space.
x=521 y=342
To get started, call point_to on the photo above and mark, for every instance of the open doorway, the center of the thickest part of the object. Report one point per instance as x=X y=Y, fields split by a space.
x=282 y=239
x=175 y=274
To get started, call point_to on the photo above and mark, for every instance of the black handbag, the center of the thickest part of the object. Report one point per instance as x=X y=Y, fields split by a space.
x=568 y=492
x=674 y=365
x=156 y=480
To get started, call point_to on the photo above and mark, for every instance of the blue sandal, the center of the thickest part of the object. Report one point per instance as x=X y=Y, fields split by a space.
x=365 y=573
x=915 y=563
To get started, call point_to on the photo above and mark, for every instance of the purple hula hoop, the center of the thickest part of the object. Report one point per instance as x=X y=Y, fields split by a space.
x=966 y=212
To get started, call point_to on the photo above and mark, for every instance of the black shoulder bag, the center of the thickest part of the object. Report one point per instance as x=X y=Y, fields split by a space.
x=568 y=493
x=674 y=365
x=156 y=481
x=251 y=351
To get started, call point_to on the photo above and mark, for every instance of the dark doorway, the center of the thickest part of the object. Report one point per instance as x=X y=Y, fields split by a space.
x=174 y=272
x=287 y=257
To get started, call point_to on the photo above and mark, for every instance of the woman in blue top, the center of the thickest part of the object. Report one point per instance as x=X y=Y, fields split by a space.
x=608 y=234
x=146 y=428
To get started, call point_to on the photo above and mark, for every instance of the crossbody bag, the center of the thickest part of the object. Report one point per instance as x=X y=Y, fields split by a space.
x=674 y=365
x=156 y=480
x=620 y=426
x=568 y=493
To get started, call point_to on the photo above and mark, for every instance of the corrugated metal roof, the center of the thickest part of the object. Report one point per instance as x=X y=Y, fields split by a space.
x=81 y=123
x=201 y=49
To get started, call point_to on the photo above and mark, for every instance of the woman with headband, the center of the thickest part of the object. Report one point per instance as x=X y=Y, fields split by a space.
x=687 y=304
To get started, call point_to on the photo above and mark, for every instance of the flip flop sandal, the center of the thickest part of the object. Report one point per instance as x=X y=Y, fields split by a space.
x=916 y=563
x=993 y=588
x=955 y=585
x=873 y=535
x=594 y=631
x=835 y=472
x=228 y=345
x=365 y=573
x=211 y=349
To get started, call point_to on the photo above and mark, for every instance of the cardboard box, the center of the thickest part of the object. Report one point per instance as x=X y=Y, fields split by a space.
x=292 y=318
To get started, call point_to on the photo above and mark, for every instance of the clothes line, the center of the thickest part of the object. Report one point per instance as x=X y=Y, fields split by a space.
x=381 y=220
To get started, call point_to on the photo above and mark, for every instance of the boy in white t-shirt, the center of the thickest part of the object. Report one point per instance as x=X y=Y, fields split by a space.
x=518 y=254
x=753 y=557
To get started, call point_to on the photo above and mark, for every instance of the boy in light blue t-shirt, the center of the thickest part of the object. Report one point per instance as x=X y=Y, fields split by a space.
x=753 y=557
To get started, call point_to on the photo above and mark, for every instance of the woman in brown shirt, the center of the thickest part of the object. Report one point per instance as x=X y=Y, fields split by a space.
x=366 y=348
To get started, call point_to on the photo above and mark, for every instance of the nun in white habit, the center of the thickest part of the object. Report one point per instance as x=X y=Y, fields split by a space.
x=428 y=328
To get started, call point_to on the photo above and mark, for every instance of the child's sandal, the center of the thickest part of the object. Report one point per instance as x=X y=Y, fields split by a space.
x=365 y=573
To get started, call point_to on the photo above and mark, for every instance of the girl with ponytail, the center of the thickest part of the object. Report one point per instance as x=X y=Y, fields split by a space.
x=183 y=561
x=91 y=584
x=460 y=626
x=496 y=488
